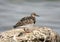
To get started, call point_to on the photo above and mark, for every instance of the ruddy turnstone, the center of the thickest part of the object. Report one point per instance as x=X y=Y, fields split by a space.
x=27 y=20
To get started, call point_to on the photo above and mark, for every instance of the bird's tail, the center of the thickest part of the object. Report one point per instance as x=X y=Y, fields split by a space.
x=15 y=26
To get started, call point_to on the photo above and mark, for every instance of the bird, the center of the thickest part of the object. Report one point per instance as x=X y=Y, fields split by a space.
x=26 y=20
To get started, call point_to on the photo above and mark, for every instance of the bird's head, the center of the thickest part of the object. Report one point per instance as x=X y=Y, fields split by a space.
x=34 y=14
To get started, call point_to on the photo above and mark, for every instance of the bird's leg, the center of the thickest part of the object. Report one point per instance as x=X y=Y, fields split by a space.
x=26 y=30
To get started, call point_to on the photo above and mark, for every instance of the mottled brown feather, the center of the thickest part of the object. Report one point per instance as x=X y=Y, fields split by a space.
x=26 y=20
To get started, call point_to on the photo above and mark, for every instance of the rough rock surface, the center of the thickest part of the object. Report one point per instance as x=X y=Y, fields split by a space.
x=34 y=34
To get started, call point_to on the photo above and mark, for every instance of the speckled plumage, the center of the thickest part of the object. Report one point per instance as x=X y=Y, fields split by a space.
x=26 y=20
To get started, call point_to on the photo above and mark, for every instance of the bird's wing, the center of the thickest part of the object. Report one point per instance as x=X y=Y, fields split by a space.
x=22 y=22
x=25 y=21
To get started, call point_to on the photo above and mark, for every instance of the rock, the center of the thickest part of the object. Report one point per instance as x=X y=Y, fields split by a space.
x=34 y=34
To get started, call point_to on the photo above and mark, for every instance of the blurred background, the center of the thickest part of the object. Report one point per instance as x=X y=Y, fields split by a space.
x=12 y=11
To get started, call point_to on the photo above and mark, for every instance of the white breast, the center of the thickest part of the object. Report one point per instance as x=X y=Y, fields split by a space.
x=28 y=26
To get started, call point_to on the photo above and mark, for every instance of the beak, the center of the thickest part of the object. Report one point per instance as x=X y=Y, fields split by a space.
x=37 y=15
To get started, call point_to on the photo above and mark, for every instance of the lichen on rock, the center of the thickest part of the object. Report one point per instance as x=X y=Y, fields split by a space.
x=35 y=34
